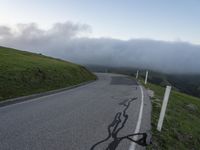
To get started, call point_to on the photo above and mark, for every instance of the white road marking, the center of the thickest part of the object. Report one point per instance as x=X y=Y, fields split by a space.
x=137 y=129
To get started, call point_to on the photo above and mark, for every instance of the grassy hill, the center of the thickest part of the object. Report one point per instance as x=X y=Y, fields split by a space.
x=23 y=73
x=181 y=124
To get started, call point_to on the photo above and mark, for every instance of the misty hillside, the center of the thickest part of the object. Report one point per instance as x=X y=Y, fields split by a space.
x=24 y=73
x=187 y=83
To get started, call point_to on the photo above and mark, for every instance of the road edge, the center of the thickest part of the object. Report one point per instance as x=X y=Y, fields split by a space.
x=37 y=95
x=143 y=90
x=138 y=125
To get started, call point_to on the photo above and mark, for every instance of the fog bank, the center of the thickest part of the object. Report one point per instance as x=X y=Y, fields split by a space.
x=67 y=41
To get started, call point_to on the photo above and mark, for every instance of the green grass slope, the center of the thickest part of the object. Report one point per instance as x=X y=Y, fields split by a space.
x=181 y=127
x=23 y=73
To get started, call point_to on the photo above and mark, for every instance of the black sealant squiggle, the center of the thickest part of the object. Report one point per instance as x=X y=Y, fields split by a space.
x=116 y=126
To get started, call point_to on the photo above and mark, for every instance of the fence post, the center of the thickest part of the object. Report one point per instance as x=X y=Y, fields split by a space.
x=137 y=74
x=164 y=106
x=146 y=77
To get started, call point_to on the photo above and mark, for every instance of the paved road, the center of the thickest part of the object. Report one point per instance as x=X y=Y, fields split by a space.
x=101 y=115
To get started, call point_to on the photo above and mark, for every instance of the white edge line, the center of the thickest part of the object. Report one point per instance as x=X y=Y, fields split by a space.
x=137 y=129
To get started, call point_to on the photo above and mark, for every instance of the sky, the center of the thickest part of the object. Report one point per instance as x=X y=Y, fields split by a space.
x=161 y=35
x=169 y=20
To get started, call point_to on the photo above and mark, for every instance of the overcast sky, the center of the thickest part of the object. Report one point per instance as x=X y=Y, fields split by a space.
x=123 y=19
x=154 y=34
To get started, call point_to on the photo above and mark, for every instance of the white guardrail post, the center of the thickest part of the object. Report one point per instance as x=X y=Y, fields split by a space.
x=146 y=77
x=164 y=106
x=137 y=74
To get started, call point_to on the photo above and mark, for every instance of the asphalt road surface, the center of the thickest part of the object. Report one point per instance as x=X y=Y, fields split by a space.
x=112 y=113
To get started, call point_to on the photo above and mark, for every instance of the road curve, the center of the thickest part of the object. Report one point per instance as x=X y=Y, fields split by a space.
x=97 y=116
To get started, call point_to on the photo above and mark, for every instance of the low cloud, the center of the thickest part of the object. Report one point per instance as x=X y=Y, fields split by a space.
x=66 y=41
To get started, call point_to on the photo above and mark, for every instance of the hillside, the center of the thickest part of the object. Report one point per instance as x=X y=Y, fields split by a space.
x=23 y=73
x=186 y=83
x=181 y=124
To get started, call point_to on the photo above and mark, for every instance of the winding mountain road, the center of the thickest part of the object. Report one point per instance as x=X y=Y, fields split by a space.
x=112 y=113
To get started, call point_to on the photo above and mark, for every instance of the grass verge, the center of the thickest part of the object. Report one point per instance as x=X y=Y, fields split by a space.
x=24 y=73
x=181 y=127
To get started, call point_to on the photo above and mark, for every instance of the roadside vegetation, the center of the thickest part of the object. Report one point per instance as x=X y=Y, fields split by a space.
x=24 y=73
x=181 y=127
